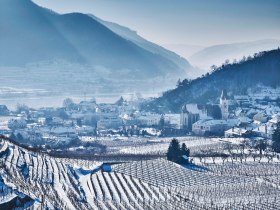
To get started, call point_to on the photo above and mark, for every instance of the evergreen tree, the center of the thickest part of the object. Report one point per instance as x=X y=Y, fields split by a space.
x=276 y=138
x=13 y=136
x=185 y=152
x=261 y=146
x=179 y=83
x=68 y=103
x=19 y=137
x=79 y=122
x=174 y=151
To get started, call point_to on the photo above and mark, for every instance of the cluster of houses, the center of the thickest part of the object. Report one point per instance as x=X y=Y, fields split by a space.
x=75 y=121
x=238 y=116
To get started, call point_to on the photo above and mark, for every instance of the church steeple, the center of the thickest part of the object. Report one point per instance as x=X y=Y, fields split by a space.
x=185 y=109
x=224 y=95
x=224 y=105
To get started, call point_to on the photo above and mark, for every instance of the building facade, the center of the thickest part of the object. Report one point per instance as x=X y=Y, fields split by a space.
x=187 y=119
x=224 y=105
x=213 y=127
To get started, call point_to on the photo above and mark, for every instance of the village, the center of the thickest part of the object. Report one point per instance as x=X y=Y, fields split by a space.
x=116 y=156
x=252 y=116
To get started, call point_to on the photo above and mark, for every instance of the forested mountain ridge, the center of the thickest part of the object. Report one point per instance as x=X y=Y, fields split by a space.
x=32 y=34
x=236 y=78
x=133 y=36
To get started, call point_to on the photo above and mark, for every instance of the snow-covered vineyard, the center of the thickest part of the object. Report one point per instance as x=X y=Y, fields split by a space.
x=227 y=186
x=160 y=145
x=34 y=181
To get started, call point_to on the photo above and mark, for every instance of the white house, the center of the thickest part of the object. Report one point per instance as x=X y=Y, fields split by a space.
x=275 y=118
x=172 y=119
x=235 y=132
x=261 y=117
x=213 y=127
x=148 y=119
x=265 y=130
x=109 y=121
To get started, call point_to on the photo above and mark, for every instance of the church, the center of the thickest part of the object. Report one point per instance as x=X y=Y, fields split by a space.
x=224 y=105
x=188 y=118
x=191 y=113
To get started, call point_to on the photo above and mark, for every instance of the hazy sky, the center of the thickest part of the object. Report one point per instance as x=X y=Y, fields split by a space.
x=198 y=22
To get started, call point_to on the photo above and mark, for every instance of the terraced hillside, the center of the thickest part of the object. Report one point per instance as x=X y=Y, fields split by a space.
x=50 y=182
x=33 y=180
x=213 y=186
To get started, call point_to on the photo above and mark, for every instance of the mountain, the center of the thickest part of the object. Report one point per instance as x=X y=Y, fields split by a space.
x=185 y=50
x=236 y=78
x=132 y=36
x=217 y=54
x=31 y=34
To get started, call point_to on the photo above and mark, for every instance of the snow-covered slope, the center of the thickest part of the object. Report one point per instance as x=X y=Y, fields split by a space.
x=32 y=178
x=70 y=184
x=47 y=181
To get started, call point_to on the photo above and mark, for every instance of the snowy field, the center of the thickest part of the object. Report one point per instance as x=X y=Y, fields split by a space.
x=160 y=145
x=145 y=184
x=213 y=186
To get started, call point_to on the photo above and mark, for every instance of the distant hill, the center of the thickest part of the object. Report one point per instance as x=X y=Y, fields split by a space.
x=217 y=54
x=185 y=50
x=31 y=34
x=263 y=68
x=132 y=36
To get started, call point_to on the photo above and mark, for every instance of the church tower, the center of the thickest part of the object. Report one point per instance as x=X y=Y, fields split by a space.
x=224 y=105
x=187 y=118
x=184 y=119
